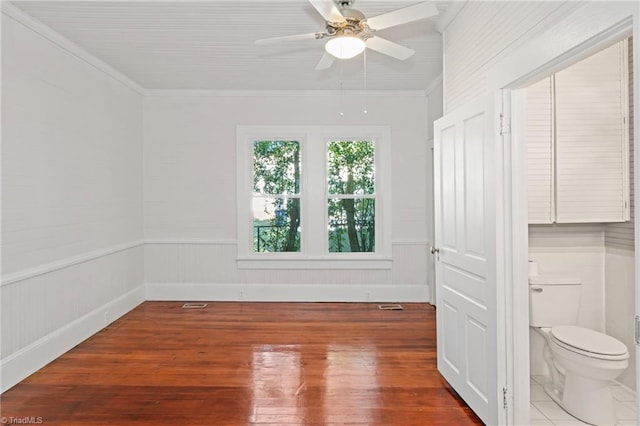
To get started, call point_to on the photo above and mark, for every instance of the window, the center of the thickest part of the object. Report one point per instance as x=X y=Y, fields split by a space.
x=351 y=190
x=276 y=196
x=313 y=196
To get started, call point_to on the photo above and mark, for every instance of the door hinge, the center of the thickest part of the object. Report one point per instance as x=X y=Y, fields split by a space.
x=636 y=330
x=505 y=124
x=505 y=403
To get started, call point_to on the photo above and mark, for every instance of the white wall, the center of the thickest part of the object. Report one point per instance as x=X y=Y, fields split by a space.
x=190 y=199
x=435 y=103
x=480 y=35
x=620 y=304
x=435 y=108
x=71 y=197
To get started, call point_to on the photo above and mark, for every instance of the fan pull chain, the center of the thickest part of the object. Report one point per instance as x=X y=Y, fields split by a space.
x=364 y=55
x=341 y=103
x=341 y=81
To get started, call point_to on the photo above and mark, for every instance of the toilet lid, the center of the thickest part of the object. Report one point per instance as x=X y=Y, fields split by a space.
x=588 y=340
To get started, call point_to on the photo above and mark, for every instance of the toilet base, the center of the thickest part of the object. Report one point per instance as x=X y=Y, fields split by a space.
x=587 y=400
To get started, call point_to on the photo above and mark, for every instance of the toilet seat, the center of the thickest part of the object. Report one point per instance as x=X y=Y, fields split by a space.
x=589 y=343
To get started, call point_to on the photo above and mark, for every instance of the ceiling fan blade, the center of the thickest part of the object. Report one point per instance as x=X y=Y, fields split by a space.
x=308 y=36
x=389 y=48
x=328 y=10
x=325 y=62
x=402 y=16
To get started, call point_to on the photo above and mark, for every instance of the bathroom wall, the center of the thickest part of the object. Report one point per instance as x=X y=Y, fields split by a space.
x=619 y=289
x=620 y=304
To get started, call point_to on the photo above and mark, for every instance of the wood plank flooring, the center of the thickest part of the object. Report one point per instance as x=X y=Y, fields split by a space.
x=245 y=364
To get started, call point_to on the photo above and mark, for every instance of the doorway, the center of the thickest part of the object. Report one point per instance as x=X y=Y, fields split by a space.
x=527 y=243
x=580 y=221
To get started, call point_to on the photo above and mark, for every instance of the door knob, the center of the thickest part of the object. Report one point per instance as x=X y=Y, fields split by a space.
x=434 y=250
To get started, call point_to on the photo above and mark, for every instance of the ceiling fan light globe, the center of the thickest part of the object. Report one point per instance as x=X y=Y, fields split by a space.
x=345 y=47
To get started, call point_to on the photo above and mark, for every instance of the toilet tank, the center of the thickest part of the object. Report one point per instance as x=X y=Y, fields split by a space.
x=553 y=300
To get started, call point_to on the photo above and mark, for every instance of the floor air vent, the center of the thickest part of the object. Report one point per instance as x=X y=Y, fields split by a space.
x=194 y=306
x=390 y=307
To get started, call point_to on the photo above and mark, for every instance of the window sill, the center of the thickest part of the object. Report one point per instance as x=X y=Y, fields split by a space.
x=328 y=262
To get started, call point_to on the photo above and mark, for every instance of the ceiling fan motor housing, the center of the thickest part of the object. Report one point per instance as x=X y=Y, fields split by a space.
x=352 y=14
x=355 y=24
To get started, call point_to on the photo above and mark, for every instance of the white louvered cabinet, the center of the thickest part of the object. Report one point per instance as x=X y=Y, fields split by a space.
x=539 y=136
x=577 y=142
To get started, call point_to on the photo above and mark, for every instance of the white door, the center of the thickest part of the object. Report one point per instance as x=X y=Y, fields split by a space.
x=467 y=167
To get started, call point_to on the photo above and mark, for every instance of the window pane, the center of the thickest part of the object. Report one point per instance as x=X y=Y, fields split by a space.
x=276 y=167
x=350 y=167
x=352 y=225
x=276 y=224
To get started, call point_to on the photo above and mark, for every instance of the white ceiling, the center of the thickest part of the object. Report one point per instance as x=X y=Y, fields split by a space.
x=210 y=44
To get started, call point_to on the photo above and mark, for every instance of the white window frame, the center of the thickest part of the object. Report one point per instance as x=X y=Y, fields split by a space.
x=314 y=252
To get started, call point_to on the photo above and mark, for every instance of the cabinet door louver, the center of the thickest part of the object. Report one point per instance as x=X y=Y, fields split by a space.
x=539 y=135
x=591 y=141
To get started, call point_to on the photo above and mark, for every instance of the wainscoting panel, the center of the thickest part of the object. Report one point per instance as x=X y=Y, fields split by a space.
x=286 y=292
x=193 y=261
x=45 y=315
x=206 y=270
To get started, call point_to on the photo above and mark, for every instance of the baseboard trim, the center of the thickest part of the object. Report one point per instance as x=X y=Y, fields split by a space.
x=287 y=292
x=28 y=360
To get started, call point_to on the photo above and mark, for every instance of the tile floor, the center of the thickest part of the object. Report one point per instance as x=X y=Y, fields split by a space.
x=544 y=411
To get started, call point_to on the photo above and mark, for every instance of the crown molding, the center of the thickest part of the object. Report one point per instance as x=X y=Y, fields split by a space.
x=56 y=38
x=453 y=8
x=434 y=84
x=282 y=93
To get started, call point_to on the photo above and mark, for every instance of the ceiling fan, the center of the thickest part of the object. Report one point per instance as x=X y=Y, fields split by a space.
x=349 y=32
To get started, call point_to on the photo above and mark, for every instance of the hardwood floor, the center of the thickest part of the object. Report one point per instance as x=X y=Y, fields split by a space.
x=248 y=363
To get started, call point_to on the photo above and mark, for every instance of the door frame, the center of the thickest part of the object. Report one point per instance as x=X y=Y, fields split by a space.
x=537 y=58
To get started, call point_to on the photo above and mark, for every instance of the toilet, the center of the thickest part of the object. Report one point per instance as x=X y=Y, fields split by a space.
x=582 y=361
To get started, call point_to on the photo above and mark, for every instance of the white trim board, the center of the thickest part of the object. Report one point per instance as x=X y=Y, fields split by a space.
x=65 y=263
x=602 y=25
x=206 y=93
x=229 y=241
x=566 y=249
x=192 y=241
x=286 y=292
x=28 y=360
